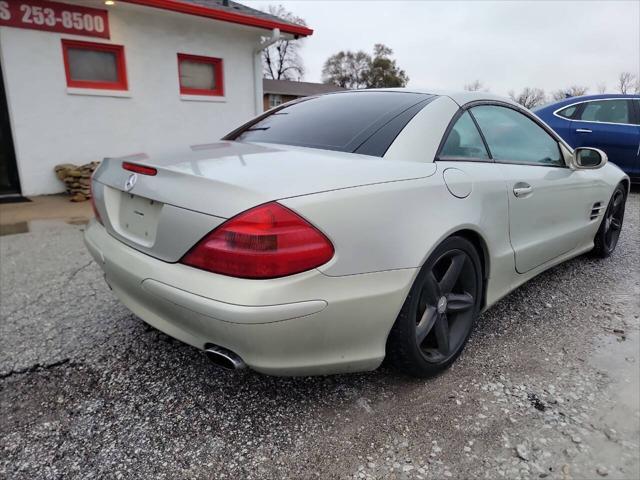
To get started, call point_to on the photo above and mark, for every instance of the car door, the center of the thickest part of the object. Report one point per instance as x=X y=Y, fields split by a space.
x=608 y=124
x=549 y=204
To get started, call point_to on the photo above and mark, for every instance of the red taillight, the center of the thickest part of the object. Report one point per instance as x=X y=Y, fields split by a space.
x=96 y=213
x=141 y=169
x=265 y=242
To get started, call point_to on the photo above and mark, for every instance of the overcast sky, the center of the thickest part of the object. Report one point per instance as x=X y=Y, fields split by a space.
x=507 y=45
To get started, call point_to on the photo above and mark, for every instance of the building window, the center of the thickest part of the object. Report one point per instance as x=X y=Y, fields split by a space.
x=275 y=100
x=94 y=65
x=200 y=75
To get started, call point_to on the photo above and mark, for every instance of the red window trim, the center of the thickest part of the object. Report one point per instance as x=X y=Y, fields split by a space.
x=217 y=69
x=120 y=84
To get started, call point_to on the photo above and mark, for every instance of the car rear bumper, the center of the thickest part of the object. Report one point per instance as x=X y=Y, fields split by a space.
x=304 y=324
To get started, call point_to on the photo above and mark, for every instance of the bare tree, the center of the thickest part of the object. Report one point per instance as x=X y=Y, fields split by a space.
x=347 y=69
x=528 y=97
x=282 y=60
x=475 y=86
x=559 y=95
x=626 y=82
x=360 y=70
x=602 y=87
x=572 y=91
x=384 y=71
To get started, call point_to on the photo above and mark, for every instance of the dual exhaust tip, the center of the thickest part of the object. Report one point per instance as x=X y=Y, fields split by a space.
x=224 y=358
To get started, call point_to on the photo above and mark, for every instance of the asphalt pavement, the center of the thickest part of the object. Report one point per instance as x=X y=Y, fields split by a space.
x=547 y=387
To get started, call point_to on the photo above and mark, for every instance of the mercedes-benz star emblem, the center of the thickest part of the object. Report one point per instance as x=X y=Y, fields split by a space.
x=131 y=182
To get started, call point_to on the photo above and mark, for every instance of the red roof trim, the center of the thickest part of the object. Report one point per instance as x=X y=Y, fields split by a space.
x=222 y=15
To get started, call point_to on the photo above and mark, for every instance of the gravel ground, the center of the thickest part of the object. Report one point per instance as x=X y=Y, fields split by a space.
x=547 y=387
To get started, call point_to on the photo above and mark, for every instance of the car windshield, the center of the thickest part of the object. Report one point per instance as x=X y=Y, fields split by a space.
x=340 y=121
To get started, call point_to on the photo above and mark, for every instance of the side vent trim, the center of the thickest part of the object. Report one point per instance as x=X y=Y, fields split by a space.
x=596 y=210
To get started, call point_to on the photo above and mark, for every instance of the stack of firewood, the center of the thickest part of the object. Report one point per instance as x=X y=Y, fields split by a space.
x=77 y=179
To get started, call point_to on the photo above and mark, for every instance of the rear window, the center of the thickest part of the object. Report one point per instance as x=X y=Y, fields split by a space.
x=341 y=121
x=568 y=112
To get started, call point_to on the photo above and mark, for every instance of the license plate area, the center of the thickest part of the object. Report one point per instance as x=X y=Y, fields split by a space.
x=138 y=218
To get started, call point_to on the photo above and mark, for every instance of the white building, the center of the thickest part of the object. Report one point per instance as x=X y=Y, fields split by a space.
x=84 y=80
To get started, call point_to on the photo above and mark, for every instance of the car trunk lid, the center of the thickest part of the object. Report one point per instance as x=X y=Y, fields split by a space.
x=197 y=189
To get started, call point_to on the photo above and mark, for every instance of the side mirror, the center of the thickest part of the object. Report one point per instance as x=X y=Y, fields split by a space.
x=586 y=158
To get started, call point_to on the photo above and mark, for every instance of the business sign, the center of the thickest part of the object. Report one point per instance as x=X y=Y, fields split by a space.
x=55 y=17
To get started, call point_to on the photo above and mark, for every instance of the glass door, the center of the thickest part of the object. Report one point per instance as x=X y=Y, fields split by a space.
x=9 y=182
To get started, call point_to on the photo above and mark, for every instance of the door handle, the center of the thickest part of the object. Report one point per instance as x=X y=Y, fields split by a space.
x=583 y=130
x=521 y=189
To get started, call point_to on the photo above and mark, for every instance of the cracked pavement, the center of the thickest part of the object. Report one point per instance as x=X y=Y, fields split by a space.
x=547 y=387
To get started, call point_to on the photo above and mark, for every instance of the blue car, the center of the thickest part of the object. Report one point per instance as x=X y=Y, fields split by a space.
x=608 y=122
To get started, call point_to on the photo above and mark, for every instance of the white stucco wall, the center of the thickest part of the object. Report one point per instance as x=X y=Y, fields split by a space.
x=52 y=126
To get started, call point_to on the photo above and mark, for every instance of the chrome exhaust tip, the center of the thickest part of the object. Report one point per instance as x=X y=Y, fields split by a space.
x=224 y=358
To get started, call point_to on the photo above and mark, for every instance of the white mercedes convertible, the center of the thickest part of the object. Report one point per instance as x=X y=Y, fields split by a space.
x=334 y=231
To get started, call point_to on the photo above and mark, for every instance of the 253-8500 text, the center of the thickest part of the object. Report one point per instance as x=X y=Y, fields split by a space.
x=55 y=17
x=47 y=16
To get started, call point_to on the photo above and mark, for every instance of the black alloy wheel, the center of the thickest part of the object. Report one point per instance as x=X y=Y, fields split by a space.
x=438 y=315
x=608 y=234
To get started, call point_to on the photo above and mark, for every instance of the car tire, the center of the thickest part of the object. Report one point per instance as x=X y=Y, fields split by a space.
x=444 y=301
x=606 y=239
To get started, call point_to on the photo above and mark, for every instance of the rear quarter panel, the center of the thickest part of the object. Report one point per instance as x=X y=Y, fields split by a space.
x=397 y=225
